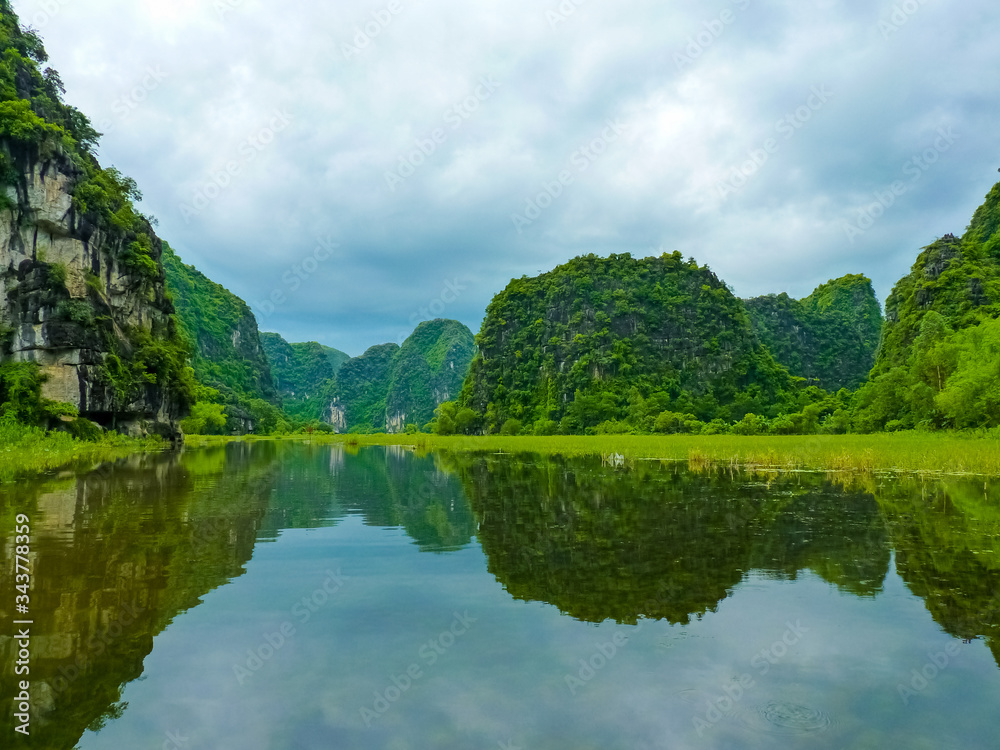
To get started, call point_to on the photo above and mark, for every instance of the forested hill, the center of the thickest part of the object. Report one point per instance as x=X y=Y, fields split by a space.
x=227 y=355
x=302 y=373
x=390 y=387
x=940 y=354
x=619 y=338
x=829 y=337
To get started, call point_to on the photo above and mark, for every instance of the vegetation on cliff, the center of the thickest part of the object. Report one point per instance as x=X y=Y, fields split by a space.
x=356 y=398
x=829 y=338
x=136 y=363
x=617 y=343
x=394 y=388
x=302 y=374
x=429 y=369
x=228 y=359
x=940 y=355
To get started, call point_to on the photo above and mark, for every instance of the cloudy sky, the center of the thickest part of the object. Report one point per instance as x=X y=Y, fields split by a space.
x=352 y=167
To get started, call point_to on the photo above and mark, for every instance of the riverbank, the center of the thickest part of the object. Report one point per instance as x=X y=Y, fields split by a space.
x=906 y=452
x=28 y=451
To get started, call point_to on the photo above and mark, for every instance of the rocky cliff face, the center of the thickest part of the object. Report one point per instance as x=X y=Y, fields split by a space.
x=68 y=302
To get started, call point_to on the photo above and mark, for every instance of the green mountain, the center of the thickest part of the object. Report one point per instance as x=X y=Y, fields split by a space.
x=390 y=386
x=85 y=320
x=226 y=349
x=601 y=340
x=829 y=337
x=356 y=398
x=302 y=373
x=428 y=370
x=940 y=349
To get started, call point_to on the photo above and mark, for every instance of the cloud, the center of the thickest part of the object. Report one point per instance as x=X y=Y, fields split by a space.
x=369 y=87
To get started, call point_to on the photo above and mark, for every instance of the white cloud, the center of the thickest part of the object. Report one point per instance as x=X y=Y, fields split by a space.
x=227 y=73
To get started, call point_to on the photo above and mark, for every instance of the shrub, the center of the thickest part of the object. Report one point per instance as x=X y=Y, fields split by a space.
x=511 y=427
x=751 y=424
x=84 y=429
x=546 y=427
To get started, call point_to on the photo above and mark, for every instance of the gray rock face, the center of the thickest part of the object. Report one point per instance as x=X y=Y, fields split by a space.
x=66 y=303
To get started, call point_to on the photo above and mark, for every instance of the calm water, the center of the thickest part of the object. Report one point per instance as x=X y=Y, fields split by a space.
x=294 y=597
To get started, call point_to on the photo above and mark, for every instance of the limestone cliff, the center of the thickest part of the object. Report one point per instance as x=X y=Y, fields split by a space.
x=81 y=283
x=69 y=300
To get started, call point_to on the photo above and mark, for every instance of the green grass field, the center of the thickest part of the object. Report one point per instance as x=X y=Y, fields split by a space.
x=28 y=451
x=908 y=452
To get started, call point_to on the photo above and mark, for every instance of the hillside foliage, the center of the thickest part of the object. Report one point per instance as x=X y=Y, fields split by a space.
x=302 y=374
x=611 y=344
x=829 y=338
x=939 y=363
x=228 y=360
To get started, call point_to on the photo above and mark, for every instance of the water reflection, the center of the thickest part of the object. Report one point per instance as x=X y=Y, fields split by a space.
x=660 y=541
x=120 y=552
x=116 y=555
x=947 y=540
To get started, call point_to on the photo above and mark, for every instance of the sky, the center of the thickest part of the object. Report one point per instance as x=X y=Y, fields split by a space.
x=351 y=168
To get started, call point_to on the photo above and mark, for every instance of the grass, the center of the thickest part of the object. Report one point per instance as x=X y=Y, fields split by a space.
x=26 y=451
x=901 y=452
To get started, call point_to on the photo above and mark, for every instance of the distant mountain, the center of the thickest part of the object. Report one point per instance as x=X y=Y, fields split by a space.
x=428 y=369
x=302 y=373
x=356 y=398
x=595 y=339
x=227 y=355
x=390 y=386
x=829 y=337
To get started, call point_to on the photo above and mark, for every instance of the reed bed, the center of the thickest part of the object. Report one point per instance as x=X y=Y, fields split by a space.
x=28 y=451
x=953 y=453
